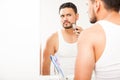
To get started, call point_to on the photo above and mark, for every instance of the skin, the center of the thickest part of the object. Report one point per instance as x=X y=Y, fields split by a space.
x=68 y=17
x=90 y=46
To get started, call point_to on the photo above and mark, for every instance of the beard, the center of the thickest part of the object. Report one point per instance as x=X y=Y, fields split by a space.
x=93 y=18
x=68 y=25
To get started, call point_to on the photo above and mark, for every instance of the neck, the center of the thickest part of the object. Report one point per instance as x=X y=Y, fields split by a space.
x=69 y=35
x=69 y=31
x=113 y=17
x=109 y=15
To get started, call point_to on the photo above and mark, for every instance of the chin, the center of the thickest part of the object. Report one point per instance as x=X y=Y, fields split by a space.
x=93 y=20
x=68 y=27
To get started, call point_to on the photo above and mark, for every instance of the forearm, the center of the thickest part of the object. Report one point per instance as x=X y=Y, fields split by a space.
x=45 y=70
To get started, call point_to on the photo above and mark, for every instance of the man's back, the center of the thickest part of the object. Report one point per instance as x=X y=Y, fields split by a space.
x=95 y=41
x=108 y=65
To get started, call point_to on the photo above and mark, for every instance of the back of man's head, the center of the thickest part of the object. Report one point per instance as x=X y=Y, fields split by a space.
x=111 y=4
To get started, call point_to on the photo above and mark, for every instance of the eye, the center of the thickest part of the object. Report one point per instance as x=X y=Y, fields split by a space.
x=62 y=16
x=68 y=14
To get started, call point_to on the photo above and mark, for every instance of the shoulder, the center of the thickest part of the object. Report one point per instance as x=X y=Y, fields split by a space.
x=51 y=44
x=91 y=34
x=52 y=38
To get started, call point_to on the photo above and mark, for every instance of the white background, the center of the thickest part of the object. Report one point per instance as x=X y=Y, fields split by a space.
x=19 y=39
x=24 y=25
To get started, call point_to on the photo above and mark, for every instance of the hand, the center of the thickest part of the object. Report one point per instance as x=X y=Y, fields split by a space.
x=77 y=30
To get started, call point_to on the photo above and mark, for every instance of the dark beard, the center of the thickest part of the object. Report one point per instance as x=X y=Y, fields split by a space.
x=69 y=27
x=94 y=20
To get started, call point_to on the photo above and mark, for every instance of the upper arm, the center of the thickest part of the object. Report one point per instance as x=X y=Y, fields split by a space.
x=85 y=59
x=48 y=50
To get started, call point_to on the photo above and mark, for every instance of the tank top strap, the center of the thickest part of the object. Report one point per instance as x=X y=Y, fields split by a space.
x=60 y=37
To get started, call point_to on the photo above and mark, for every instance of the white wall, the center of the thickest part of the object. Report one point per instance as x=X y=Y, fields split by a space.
x=19 y=39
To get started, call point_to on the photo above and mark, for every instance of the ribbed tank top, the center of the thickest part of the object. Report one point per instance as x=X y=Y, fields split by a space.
x=108 y=66
x=66 y=55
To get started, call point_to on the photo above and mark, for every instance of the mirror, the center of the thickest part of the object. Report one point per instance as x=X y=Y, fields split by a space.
x=50 y=19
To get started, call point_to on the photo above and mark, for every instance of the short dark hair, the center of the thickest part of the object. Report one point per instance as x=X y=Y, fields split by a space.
x=68 y=5
x=111 y=4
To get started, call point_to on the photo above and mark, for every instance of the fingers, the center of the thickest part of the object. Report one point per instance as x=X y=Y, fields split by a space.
x=77 y=30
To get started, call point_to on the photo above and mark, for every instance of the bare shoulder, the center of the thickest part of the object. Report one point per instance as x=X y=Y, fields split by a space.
x=93 y=38
x=52 y=39
x=91 y=34
x=52 y=43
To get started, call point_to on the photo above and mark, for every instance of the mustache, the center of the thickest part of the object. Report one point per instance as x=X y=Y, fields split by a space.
x=66 y=22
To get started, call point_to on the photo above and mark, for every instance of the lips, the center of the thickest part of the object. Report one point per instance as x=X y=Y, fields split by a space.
x=66 y=22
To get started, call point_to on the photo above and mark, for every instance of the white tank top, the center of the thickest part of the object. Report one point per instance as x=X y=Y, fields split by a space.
x=66 y=55
x=108 y=66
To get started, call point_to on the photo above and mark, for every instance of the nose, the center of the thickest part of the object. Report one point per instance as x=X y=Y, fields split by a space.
x=65 y=18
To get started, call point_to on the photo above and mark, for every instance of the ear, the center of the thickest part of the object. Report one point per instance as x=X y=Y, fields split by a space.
x=77 y=16
x=97 y=5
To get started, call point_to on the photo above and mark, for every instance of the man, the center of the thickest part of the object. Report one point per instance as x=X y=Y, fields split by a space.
x=99 y=45
x=63 y=43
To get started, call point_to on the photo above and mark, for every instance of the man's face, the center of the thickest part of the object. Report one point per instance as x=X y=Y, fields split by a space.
x=91 y=12
x=68 y=17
